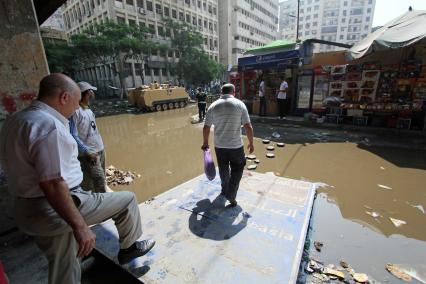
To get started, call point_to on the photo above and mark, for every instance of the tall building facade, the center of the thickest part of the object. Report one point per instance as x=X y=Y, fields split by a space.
x=245 y=24
x=201 y=14
x=56 y=21
x=344 y=21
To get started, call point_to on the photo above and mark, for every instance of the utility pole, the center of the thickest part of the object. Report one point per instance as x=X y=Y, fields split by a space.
x=297 y=21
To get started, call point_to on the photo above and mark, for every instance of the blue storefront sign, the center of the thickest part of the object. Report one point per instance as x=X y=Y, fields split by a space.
x=279 y=60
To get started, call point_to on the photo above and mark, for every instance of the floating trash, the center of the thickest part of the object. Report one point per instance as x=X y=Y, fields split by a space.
x=270 y=155
x=373 y=214
x=251 y=157
x=266 y=141
x=360 y=277
x=384 y=186
x=318 y=245
x=397 y=222
x=251 y=167
x=115 y=177
x=280 y=144
x=398 y=272
x=420 y=207
x=270 y=148
x=257 y=161
x=276 y=135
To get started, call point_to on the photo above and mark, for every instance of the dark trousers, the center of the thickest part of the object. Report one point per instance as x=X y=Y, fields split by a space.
x=201 y=110
x=231 y=164
x=262 y=106
x=282 y=107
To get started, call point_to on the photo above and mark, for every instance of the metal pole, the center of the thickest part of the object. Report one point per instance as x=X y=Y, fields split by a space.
x=297 y=21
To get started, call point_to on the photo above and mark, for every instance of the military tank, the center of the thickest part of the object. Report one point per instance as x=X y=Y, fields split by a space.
x=158 y=98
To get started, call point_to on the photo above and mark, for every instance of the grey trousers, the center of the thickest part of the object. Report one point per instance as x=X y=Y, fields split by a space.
x=231 y=164
x=93 y=173
x=55 y=238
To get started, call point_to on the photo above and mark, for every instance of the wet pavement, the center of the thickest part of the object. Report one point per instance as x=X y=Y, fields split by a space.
x=363 y=173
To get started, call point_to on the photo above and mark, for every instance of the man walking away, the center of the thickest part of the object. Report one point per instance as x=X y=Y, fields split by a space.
x=39 y=157
x=262 y=105
x=90 y=145
x=201 y=98
x=227 y=114
x=282 y=98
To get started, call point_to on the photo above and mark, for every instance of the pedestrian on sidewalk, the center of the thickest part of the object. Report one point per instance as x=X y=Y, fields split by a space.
x=39 y=156
x=282 y=98
x=91 y=151
x=262 y=103
x=227 y=114
x=202 y=102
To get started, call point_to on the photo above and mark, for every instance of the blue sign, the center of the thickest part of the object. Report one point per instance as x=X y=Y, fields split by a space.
x=272 y=60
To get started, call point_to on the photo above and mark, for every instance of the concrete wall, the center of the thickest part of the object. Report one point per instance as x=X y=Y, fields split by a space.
x=22 y=59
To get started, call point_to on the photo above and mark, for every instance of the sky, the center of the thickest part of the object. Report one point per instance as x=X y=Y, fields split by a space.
x=387 y=10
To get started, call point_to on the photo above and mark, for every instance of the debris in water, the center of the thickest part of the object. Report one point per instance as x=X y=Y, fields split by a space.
x=257 y=161
x=270 y=155
x=398 y=272
x=266 y=141
x=344 y=264
x=270 y=148
x=333 y=272
x=318 y=245
x=251 y=167
x=382 y=168
x=373 y=214
x=360 y=277
x=397 y=222
x=251 y=157
x=384 y=186
x=115 y=177
x=280 y=144
x=169 y=172
x=276 y=135
x=420 y=207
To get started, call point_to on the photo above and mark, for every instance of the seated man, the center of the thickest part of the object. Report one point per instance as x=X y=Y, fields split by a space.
x=39 y=157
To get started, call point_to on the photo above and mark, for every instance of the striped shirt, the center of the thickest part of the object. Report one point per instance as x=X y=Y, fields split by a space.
x=227 y=114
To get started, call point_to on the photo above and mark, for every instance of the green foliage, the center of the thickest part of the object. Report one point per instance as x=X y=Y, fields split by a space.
x=59 y=56
x=194 y=65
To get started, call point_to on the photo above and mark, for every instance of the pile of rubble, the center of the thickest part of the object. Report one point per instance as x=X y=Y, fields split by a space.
x=117 y=177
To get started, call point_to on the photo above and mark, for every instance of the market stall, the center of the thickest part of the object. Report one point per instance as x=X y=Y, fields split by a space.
x=380 y=82
x=270 y=62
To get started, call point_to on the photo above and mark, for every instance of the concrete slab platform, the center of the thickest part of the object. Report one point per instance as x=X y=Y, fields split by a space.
x=200 y=240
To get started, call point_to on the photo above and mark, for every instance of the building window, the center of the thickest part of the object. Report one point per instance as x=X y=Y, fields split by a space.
x=147 y=70
x=181 y=16
x=138 y=69
x=199 y=4
x=156 y=71
x=132 y=23
x=367 y=19
x=174 y=14
x=151 y=29
x=121 y=20
x=166 y=11
x=139 y=3
x=369 y=10
x=149 y=6
x=160 y=31
x=188 y=18
x=158 y=9
x=341 y=36
x=129 y=2
x=127 y=69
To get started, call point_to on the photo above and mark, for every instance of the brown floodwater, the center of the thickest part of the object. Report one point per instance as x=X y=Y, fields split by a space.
x=164 y=148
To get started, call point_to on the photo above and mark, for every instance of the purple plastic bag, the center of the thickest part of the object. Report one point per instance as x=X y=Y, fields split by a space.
x=209 y=167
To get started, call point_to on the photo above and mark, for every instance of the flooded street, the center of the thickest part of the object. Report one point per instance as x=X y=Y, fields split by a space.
x=361 y=180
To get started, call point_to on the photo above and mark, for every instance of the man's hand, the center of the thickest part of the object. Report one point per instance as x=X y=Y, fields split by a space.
x=92 y=157
x=86 y=240
x=205 y=147
x=250 y=148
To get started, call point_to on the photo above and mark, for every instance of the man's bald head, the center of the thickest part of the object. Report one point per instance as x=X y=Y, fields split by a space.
x=55 y=84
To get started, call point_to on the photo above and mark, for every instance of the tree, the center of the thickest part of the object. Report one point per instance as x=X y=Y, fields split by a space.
x=113 y=42
x=194 y=66
x=59 y=56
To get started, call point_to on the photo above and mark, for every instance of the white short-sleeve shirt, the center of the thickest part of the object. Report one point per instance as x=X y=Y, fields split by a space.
x=227 y=114
x=283 y=95
x=84 y=120
x=35 y=146
x=262 y=89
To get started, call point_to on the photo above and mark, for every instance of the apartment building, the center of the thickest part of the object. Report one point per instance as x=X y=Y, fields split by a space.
x=245 y=24
x=201 y=14
x=344 y=21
